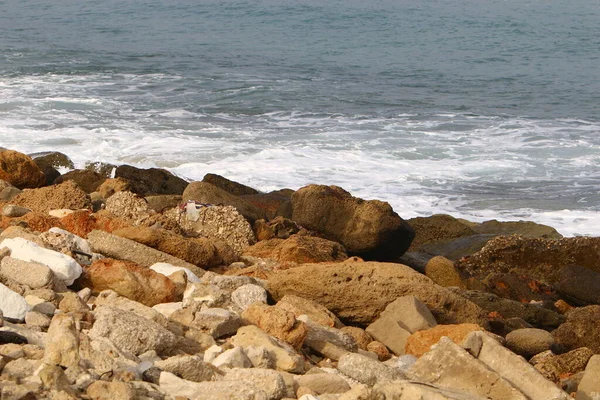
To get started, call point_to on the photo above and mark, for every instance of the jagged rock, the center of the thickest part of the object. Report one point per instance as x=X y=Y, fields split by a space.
x=359 y=291
x=529 y=341
x=128 y=206
x=366 y=370
x=277 y=322
x=273 y=204
x=316 y=312
x=420 y=342
x=320 y=333
x=553 y=367
x=370 y=229
x=42 y=200
x=20 y=170
x=217 y=322
x=49 y=162
x=582 y=329
x=62 y=344
x=151 y=181
x=86 y=179
x=298 y=248
x=234 y=188
x=519 y=287
x=246 y=295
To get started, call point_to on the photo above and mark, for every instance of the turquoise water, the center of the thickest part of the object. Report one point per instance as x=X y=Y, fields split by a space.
x=477 y=108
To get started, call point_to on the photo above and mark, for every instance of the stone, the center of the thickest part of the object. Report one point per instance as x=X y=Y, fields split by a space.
x=19 y=369
x=361 y=337
x=519 y=287
x=380 y=350
x=438 y=227
x=529 y=341
x=31 y=274
x=189 y=367
x=53 y=158
x=359 y=291
x=420 y=342
x=71 y=302
x=234 y=188
x=131 y=332
x=298 y=248
x=82 y=222
x=128 y=206
x=12 y=211
x=151 y=181
x=513 y=368
x=12 y=304
x=286 y=359
x=102 y=390
x=11 y=337
x=407 y=390
x=64 y=267
x=232 y=358
x=130 y=280
x=442 y=271
x=269 y=381
x=320 y=333
x=369 y=229
x=9 y=193
x=111 y=186
x=163 y=202
x=65 y=242
x=128 y=250
x=315 y=311
x=42 y=200
x=553 y=367
x=456 y=249
x=86 y=179
x=582 y=329
x=217 y=322
x=279 y=228
x=40 y=305
x=246 y=295
x=277 y=322
x=260 y=357
x=206 y=193
x=323 y=383
x=274 y=204
x=38 y=321
x=20 y=170
x=103 y=168
x=366 y=370
x=167 y=269
x=390 y=333
x=222 y=390
x=579 y=285
x=589 y=387
x=62 y=343
x=48 y=168
x=526 y=229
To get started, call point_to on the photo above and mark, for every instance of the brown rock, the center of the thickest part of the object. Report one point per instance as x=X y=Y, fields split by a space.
x=554 y=367
x=19 y=170
x=518 y=287
x=235 y=188
x=579 y=285
x=130 y=280
x=113 y=185
x=582 y=329
x=369 y=229
x=272 y=204
x=380 y=349
x=277 y=322
x=66 y=195
x=38 y=222
x=524 y=228
x=82 y=222
x=359 y=291
x=86 y=179
x=528 y=342
x=301 y=249
x=420 y=342
x=48 y=162
x=279 y=227
x=162 y=202
x=442 y=271
x=316 y=312
x=149 y=181
x=438 y=227
x=361 y=337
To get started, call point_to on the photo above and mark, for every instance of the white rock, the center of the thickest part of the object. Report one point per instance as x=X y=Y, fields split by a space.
x=59 y=213
x=233 y=358
x=212 y=352
x=167 y=269
x=64 y=267
x=79 y=243
x=167 y=309
x=249 y=294
x=12 y=304
x=222 y=390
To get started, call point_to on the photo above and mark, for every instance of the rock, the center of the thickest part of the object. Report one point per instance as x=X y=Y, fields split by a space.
x=579 y=285
x=539 y=258
x=513 y=368
x=53 y=377
x=316 y=312
x=526 y=229
x=273 y=204
x=231 y=187
x=442 y=271
x=162 y=202
x=13 y=211
x=198 y=251
x=246 y=295
x=277 y=322
x=529 y=341
x=215 y=222
x=589 y=388
x=42 y=200
x=206 y=193
x=223 y=390
x=298 y=248
x=12 y=337
x=188 y=367
x=380 y=350
x=438 y=227
x=420 y=342
x=366 y=370
x=449 y=365
x=130 y=280
x=168 y=269
x=128 y=206
x=104 y=169
x=285 y=357
x=71 y=302
x=279 y=228
x=582 y=329
x=456 y=249
x=62 y=344
x=102 y=390
x=19 y=170
x=323 y=383
x=359 y=291
x=269 y=381
x=361 y=337
x=19 y=369
x=553 y=367
x=31 y=274
x=128 y=250
x=369 y=229
x=521 y=288
x=217 y=322
x=12 y=304
x=260 y=357
x=52 y=158
x=402 y=390
x=319 y=333
x=399 y=320
x=151 y=181
x=33 y=221
x=86 y=179
x=82 y=222
x=131 y=332
x=113 y=185
x=37 y=321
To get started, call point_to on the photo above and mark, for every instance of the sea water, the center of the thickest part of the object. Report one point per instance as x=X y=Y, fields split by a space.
x=480 y=109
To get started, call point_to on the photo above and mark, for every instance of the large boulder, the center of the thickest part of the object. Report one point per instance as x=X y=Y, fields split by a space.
x=370 y=229
x=438 y=227
x=151 y=181
x=579 y=285
x=49 y=162
x=582 y=329
x=298 y=248
x=19 y=170
x=67 y=195
x=235 y=188
x=527 y=229
x=86 y=179
x=358 y=292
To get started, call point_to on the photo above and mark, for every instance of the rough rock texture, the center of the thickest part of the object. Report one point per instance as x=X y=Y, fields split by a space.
x=83 y=222
x=277 y=322
x=529 y=341
x=163 y=202
x=438 y=227
x=524 y=228
x=189 y=367
x=553 y=367
x=130 y=280
x=128 y=206
x=406 y=390
x=359 y=291
x=20 y=170
x=582 y=329
x=366 y=370
x=455 y=249
x=370 y=229
x=222 y=390
x=298 y=248
x=151 y=181
x=62 y=344
x=541 y=259
x=12 y=304
x=66 y=195
x=234 y=188
x=113 y=185
x=278 y=228
x=86 y=179
x=48 y=162
x=31 y=274
x=579 y=285
x=207 y=193
x=442 y=271
x=316 y=312
x=519 y=287
x=273 y=204
x=589 y=388
x=420 y=342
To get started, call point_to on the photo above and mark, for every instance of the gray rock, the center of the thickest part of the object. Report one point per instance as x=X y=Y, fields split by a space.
x=36 y=320
x=249 y=294
x=223 y=390
x=405 y=390
x=579 y=285
x=9 y=193
x=320 y=333
x=13 y=211
x=529 y=341
x=366 y=370
x=188 y=367
x=323 y=383
x=269 y=381
x=589 y=387
x=217 y=322
x=260 y=357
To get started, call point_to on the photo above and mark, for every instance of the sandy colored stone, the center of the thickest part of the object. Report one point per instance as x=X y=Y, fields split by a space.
x=442 y=271
x=298 y=248
x=315 y=311
x=20 y=170
x=113 y=185
x=277 y=322
x=66 y=195
x=361 y=337
x=62 y=343
x=582 y=329
x=420 y=342
x=528 y=342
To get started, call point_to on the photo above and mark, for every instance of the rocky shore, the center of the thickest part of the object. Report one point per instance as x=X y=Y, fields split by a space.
x=125 y=283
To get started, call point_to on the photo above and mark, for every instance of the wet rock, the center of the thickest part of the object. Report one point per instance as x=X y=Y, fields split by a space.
x=582 y=329
x=42 y=200
x=277 y=322
x=529 y=341
x=12 y=337
x=86 y=179
x=298 y=248
x=151 y=181
x=369 y=229
x=20 y=170
x=422 y=341
x=234 y=188
x=519 y=287
x=359 y=291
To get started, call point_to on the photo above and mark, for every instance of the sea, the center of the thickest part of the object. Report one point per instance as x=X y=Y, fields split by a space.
x=476 y=108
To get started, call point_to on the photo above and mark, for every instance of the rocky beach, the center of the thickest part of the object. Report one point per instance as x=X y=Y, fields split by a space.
x=118 y=282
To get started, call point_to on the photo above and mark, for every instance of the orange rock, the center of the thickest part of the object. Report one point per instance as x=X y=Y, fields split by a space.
x=298 y=248
x=277 y=322
x=420 y=342
x=40 y=222
x=130 y=280
x=66 y=195
x=20 y=170
x=82 y=222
